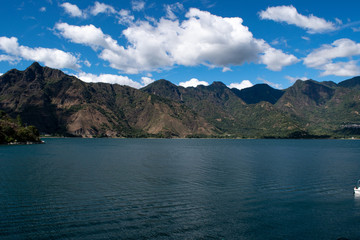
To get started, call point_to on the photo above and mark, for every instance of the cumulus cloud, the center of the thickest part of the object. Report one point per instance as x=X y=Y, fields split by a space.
x=49 y=56
x=345 y=69
x=338 y=49
x=323 y=58
x=88 y=35
x=146 y=81
x=114 y=79
x=101 y=8
x=193 y=83
x=242 y=85
x=201 y=39
x=72 y=10
x=8 y=58
x=275 y=59
x=290 y=15
x=108 y=78
x=42 y=9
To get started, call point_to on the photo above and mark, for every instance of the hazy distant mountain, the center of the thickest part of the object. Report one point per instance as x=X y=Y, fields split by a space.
x=57 y=103
x=223 y=108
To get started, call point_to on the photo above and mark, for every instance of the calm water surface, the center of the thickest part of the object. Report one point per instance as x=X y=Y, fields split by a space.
x=180 y=189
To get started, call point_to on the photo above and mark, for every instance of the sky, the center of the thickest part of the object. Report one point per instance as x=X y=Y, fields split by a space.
x=240 y=43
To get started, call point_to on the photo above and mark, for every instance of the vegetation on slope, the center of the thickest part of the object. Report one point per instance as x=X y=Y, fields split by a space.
x=13 y=131
x=59 y=104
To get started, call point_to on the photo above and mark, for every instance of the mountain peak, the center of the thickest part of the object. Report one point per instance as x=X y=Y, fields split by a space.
x=162 y=83
x=35 y=66
x=259 y=93
x=218 y=84
x=163 y=88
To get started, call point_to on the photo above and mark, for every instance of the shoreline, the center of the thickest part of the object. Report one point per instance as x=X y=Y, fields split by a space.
x=235 y=138
x=23 y=143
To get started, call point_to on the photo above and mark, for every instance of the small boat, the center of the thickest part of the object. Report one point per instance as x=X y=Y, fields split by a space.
x=357 y=188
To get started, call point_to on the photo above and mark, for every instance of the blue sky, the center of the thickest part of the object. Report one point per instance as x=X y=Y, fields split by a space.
x=186 y=42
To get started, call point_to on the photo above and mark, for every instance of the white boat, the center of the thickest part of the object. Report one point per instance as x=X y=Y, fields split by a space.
x=357 y=188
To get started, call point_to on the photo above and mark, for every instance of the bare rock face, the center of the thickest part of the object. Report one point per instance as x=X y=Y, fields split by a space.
x=57 y=103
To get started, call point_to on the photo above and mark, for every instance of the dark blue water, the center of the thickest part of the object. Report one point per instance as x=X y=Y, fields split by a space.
x=180 y=189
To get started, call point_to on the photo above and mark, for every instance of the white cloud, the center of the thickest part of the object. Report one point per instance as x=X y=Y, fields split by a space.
x=242 y=85
x=226 y=69
x=356 y=29
x=108 y=78
x=146 y=81
x=137 y=5
x=72 y=10
x=101 y=8
x=42 y=9
x=171 y=8
x=87 y=63
x=193 y=83
x=305 y=38
x=345 y=69
x=290 y=15
x=338 y=49
x=114 y=79
x=88 y=35
x=323 y=58
x=294 y=79
x=49 y=56
x=8 y=58
x=275 y=59
x=10 y=45
x=125 y=17
x=201 y=39
x=274 y=85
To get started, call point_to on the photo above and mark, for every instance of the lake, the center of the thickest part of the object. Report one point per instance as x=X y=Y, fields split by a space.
x=180 y=189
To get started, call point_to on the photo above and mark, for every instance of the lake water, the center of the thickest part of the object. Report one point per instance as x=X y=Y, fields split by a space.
x=180 y=189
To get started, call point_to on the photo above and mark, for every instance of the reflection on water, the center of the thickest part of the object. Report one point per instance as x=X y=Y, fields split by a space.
x=179 y=189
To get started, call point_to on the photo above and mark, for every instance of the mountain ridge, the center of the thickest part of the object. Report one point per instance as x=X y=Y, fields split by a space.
x=59 y=104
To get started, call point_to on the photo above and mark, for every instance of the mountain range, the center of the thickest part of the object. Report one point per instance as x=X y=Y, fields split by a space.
x=62 y=105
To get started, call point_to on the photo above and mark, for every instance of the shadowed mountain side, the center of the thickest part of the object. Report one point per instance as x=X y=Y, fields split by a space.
x=60 y=104
x=13 y=132
x=351 y=83
x=57 y=103
x=259 y=93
